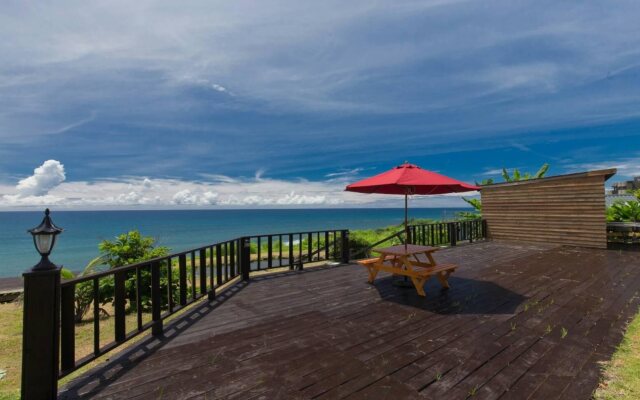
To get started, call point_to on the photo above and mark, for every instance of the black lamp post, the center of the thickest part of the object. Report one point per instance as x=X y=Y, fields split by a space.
x=44 y=238
x=41 y=324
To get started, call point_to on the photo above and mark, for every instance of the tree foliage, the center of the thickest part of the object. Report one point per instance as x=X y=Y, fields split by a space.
x=518 y=176
x=624 y=211
x=515 y=176
x=127 y=248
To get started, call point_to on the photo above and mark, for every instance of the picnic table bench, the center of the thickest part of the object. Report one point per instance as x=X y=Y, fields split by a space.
x=413 y=261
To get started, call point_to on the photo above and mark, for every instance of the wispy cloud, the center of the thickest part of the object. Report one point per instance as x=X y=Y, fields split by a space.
x=628 y=167
x=306 y=89
x=345 y=173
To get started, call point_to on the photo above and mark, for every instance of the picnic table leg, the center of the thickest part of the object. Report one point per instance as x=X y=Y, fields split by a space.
x=373 y=271
x=432 y=260
x=443 y=278
x=419 y=284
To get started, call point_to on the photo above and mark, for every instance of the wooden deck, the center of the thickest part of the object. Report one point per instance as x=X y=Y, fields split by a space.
x=519 y=322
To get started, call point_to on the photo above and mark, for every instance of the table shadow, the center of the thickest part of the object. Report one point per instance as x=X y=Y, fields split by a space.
x=465 y=296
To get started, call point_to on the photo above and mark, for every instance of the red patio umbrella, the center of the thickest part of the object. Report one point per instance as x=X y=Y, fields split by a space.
x=409 y=179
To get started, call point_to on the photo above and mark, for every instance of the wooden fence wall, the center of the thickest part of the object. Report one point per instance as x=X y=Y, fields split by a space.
x=565 y=209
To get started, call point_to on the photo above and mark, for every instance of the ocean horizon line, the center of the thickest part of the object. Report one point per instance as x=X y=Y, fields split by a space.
x=41 y=209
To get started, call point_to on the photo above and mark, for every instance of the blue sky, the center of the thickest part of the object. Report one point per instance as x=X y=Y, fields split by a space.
x=280 y=103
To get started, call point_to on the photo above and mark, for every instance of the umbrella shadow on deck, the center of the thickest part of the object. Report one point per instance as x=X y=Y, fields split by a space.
x=465 y=296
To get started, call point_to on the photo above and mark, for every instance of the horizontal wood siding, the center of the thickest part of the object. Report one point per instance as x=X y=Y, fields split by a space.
x=559 y=210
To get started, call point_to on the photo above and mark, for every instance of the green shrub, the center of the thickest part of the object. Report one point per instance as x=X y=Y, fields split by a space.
x=127 y=248
x=624 y=211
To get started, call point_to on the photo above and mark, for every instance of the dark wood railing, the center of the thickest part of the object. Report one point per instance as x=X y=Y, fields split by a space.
x=293 y=249
x=435 y=234
x=623 y=232
x=158 y=288
x=448 y=233
x=139 y=297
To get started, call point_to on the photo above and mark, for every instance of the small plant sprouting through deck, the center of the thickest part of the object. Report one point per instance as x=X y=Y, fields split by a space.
x=410 y=316
x=473 y=391
x=548 y=330
x=438 y=376
x=563 y=332
x=214 y=359
x=513 y=326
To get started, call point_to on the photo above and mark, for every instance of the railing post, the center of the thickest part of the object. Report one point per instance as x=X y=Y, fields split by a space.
x=119 y=305
x=453 y=233
x=156 y=300
x=182 y=276
x=291 y=260
x=245 y=260
x=40 y=336
x=484 y=229
x=203 y=271
x=345 y=246
x=67 y=328
x=212 y=286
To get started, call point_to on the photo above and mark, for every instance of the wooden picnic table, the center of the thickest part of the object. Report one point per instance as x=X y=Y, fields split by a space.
x=413 y=261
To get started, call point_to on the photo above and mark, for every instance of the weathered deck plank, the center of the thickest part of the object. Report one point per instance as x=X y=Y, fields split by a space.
x=327 y=334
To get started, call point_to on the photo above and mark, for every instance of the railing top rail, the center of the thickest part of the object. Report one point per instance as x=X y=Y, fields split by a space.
x=399 y=234
x=294 y=233
x=147 y=263
x=140 y=264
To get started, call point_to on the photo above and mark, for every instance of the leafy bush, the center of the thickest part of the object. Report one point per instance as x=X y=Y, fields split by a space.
x=127 y=248
x=624 y=211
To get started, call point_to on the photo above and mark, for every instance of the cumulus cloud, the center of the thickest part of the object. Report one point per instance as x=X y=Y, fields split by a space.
x=187 y=197
x=219 y=191
x=46 y=177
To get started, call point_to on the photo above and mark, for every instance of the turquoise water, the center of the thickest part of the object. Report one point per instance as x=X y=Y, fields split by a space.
x=179 y=230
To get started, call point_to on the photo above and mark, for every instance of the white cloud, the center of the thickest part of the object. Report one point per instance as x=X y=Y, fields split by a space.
x=187 y=197
x=627 y=167
x=329 y=56
x=219 y=191
x=46 y=177
x=344 y=173
x=219 y=88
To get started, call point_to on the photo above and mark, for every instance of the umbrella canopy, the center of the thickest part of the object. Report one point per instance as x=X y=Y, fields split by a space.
x=410 y=179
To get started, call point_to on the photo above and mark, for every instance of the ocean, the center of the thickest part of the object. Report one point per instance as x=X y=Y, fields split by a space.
x=178 y=229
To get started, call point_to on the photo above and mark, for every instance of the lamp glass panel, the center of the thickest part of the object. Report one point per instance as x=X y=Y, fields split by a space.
x=44 y=243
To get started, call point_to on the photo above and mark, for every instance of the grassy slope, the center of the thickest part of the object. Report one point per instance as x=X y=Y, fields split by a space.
x=622 y=374
x=10 y=349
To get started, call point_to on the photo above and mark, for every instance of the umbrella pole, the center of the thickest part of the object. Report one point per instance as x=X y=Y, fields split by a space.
x=406 y=226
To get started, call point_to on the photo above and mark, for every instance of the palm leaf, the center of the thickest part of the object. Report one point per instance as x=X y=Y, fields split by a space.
x=505 y=175
x=542 y=171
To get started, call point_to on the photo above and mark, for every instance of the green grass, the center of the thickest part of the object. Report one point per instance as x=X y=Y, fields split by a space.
x=10 y=350
x=11 y=344
x=622 y=375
